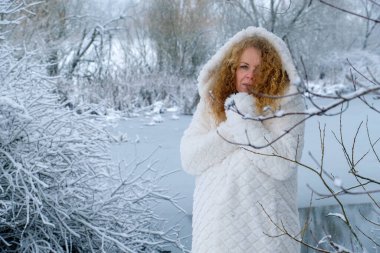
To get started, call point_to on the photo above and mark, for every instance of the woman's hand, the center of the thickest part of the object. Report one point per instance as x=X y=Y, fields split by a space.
x=239 y=105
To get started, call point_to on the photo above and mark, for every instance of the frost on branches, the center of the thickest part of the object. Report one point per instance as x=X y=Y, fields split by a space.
x=58 y=192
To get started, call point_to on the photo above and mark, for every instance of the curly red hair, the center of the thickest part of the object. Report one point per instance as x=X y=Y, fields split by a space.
x=270 y=79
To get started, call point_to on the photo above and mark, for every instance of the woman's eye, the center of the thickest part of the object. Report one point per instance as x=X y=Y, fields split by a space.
x=244 y=67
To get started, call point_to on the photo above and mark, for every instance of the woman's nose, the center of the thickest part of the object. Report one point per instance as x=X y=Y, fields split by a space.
x=249 y=75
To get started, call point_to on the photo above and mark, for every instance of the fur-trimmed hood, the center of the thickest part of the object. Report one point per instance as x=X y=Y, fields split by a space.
x=210 y=67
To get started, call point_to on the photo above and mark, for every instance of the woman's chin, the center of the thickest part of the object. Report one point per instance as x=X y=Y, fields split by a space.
x=245 y=89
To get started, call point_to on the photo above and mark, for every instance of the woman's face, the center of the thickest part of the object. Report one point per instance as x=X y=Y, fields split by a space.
x=249 y=61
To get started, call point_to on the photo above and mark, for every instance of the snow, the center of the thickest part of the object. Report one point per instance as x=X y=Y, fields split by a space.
x=173 y=109
x=174 y=117
x=112 y=115
x=338 y=215
x=338 y=182
x=322 y=88
x=158 y=107
x=279 y=113
x=155 y=119
x=337 y=248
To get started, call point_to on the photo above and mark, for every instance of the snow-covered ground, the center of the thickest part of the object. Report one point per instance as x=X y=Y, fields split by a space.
x=157 y=136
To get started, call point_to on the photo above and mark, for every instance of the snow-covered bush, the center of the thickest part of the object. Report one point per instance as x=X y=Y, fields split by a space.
x=59 y=191
x=57 y=188
x=133 y=94
x=337 y=70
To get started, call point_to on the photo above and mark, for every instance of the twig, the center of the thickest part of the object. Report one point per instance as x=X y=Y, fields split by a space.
x=350 y=12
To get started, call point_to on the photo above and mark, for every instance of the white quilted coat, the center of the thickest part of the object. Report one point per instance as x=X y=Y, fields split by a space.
x=237 y=190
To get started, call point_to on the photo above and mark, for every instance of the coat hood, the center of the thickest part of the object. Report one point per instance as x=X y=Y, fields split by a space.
x=204 y=78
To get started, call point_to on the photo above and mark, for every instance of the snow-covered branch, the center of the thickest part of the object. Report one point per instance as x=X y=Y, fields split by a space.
x=59 y=190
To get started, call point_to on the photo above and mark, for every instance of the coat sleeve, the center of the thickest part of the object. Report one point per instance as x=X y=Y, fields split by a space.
x=273 y=159
x=202 y=145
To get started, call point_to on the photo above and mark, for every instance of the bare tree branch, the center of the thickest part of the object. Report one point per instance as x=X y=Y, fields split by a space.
x=348 y=11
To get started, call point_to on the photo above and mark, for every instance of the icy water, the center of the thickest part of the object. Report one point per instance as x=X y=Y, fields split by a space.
x=160 y=142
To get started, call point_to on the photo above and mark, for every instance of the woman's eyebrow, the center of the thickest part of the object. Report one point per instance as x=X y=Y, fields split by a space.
x=243 y=62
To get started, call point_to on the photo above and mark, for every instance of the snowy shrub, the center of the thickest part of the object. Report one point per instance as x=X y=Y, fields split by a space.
x=59 y=191
x=133 y=94
x=170 y=89
x=337 y=70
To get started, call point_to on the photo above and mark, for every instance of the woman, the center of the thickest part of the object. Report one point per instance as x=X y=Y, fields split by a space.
x=242 y=192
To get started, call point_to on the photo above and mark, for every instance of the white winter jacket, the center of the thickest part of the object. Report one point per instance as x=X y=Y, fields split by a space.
x=242 y=193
